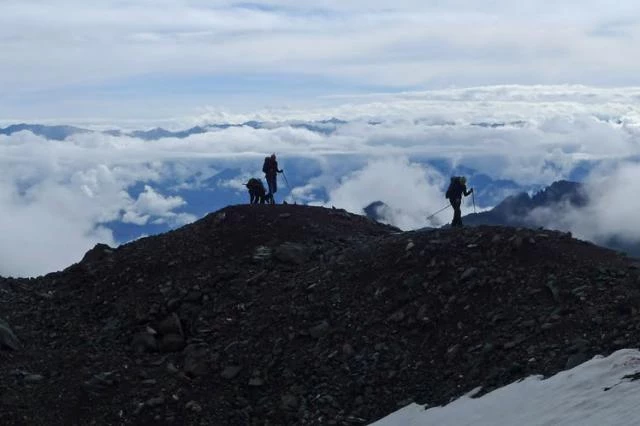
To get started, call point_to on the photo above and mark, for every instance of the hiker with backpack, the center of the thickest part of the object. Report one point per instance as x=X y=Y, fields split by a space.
x=270 y=169
x=457 y=188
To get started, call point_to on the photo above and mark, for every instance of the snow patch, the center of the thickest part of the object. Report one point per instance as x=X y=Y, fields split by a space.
x=602 y=391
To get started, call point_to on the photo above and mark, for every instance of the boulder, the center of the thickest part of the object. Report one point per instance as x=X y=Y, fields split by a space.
x=7 y=338
x=292 y=253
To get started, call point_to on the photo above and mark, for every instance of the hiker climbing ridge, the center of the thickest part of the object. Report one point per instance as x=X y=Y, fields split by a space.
x=270 y=169
x=457 y=188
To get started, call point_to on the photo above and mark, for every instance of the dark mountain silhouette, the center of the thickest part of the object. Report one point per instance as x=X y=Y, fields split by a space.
x=57 y=133
x=160 y=133
x=516 y=210
x=378 y=211
x=519 y=210
x=493 y=125
x=326 y=127
x=303 y=315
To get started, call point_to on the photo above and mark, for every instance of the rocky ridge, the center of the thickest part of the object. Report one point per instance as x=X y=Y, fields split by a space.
x=303 y=315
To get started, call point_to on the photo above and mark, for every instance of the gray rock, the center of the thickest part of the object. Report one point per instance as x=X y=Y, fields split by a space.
x=292 y=253
x=319 y=330
x=155 y=402
x=172 y=343
x=578 y=345
x=193 y=406
x=555 y=293
x=347 y=349
x=289 y=402
x=196 y=362
x=7 y=338
x=256 y=382
x=172 y=369
x=231 y=372
x=397 y=316
x=174 y=303
x=100 y=382
x=144 y=342
x=171 y=325
x=487 y=348
x=576 y=359
x=98 y=253
x=112 y=324
x=262 y=253
x=453 y=351
x=33 y=378
x=468 y=273
x=219 y=218
x=517 y=242
x=193 y=297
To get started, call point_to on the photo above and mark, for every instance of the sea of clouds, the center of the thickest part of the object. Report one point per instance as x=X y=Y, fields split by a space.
x=57 y=198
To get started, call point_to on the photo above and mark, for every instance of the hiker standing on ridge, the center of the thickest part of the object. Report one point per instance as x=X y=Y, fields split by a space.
x=457 y=188
x=270 y=169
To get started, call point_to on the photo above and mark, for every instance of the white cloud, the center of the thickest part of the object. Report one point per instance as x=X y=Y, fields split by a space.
x=151 y=204
x=85 y=180
x=85 y=50
x=55 y=195
x=412 y=191
x=135 y=218
x=48 y=228
x=612 y=210
x=149 y=201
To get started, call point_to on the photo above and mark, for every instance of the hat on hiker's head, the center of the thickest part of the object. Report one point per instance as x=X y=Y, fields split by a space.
x=463 y=179
x=273 y=155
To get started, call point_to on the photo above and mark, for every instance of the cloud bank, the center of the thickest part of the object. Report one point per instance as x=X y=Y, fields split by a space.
x=58 y=197
x=114 y=58
x=612 y=211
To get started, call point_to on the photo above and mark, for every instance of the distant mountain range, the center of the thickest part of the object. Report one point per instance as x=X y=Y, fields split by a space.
x=61 y=132
x=516 y=210
x=326 y=127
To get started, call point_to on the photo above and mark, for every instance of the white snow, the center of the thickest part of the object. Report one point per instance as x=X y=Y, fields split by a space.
x=598 y=392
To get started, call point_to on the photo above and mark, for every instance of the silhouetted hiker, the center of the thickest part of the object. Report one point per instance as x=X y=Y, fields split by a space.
x=270 y=169
x=257 y=192
x=457 y=188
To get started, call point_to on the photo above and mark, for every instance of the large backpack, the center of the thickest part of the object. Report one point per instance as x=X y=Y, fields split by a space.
x=455 y=180
x=265 y=166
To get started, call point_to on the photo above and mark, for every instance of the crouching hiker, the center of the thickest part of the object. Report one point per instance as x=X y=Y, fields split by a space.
x=257 y=193
x=457 y=188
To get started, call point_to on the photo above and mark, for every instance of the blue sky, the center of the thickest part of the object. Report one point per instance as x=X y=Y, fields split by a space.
x=171 y=57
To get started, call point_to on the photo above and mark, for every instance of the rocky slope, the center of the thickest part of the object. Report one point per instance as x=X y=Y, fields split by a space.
x=303 y=315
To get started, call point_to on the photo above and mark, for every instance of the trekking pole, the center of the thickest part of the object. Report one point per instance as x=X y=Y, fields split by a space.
x=287 y=182
x=473 y=197
x=441 y=210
